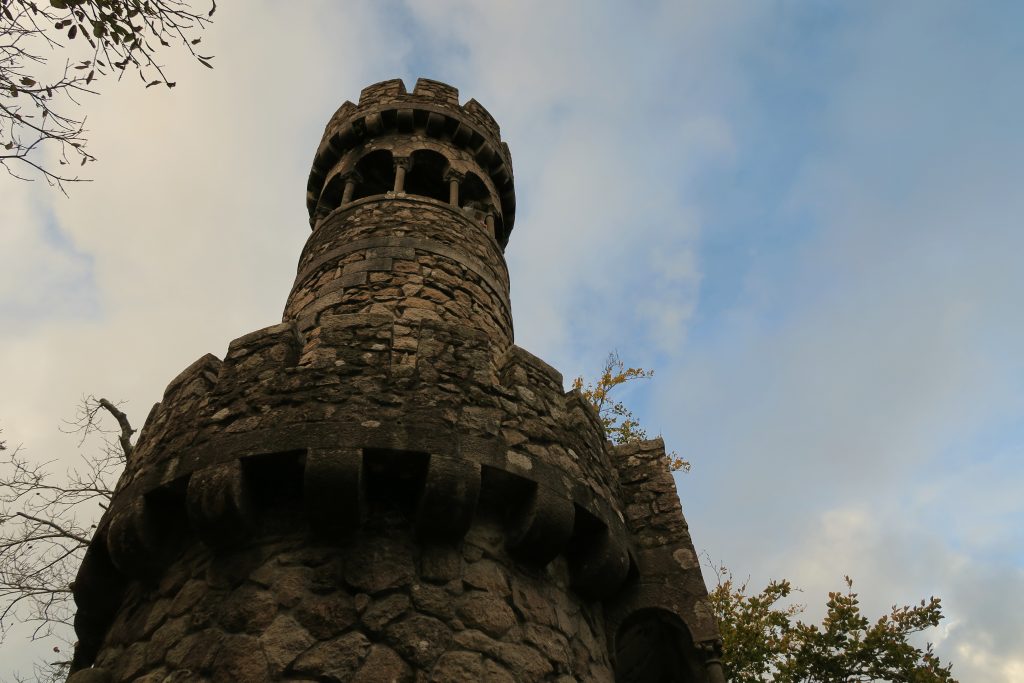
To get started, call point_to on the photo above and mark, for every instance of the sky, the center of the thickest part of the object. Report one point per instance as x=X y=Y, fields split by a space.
x=805 y=217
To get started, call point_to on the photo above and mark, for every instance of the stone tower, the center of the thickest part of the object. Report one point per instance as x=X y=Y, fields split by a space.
x=383 y=487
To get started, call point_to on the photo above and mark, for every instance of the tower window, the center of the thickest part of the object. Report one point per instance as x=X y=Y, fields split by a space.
x=377 y=172
x=473 y=193
x=330 y=198
x=426 y=177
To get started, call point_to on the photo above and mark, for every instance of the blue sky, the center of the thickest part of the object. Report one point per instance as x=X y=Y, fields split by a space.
x=806 y=217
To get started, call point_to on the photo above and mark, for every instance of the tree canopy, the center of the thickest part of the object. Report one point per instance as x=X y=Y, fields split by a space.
x=764 y=640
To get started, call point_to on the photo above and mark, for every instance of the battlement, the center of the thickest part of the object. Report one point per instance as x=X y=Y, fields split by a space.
x=431 y=110
x=318 y=412
x=425 y=92
x=383 y=486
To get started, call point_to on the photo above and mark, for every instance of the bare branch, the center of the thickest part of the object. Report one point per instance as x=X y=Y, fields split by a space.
x=125 y=439
x=56 y=527
x=47 y=519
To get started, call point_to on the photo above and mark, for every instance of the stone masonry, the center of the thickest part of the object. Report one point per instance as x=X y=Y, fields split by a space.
x=383 y=487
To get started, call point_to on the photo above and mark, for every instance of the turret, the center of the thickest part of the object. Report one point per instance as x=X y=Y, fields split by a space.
x=383 y=487
x=411 y=202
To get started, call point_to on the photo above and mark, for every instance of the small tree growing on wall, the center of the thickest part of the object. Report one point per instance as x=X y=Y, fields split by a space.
x=620 y=424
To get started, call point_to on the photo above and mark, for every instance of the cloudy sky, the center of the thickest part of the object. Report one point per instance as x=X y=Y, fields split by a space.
x=806 y=217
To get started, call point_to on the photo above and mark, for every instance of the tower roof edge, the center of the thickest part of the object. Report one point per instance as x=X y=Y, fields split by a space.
x=388 y=107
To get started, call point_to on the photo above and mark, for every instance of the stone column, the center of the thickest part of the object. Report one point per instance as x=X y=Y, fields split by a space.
x=350 y=178
x=712 y=661
x=454 y=178
x=402 y=166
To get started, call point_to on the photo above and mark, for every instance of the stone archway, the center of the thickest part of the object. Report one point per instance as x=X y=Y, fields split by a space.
x=654 y=646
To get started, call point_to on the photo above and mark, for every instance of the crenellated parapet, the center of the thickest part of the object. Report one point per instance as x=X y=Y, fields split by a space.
x=422 y=143
x=353 y=408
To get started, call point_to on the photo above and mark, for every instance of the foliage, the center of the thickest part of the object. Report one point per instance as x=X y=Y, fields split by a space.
x=38 y=98
x=46 y=522
x=620 y=424
x=764 y=641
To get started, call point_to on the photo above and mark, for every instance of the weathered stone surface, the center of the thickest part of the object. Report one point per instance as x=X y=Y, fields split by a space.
x=291 y=584
x=386 y=487
x=283 y=641
x=487 y=575
x=381 y=565
x=324 y=616
x=166 y=637
x=335 y=660
x=532 y=604
x=419 y=639
x=432 y=600
x=527 y=662
x=551 y=643
x=132 y=662
x=487 y=612
x=383 y=665
x=188 y=596
x=90 y=676
x=382 y=612
x=458 y=667
x=240 y=658
x=195 y=651
x=248 y=608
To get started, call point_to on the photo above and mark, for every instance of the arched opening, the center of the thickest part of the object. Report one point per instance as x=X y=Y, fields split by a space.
x=473 y=193
x=654 y=646
x=377 y=172
x=330 y=197
x=426 y=177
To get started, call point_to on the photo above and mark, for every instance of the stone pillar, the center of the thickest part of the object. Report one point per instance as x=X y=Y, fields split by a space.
x=454 y=178
x=350 y=178
x=402 y=165
x=716 y=674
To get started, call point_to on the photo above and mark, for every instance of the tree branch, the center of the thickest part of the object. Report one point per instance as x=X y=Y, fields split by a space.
x=56 y=527
x=125 y=438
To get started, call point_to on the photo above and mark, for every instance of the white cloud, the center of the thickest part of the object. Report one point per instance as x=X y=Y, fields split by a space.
x=821 y=406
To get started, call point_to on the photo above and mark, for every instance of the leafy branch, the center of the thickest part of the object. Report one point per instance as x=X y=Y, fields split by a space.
x=38 y=102
x=620 y=424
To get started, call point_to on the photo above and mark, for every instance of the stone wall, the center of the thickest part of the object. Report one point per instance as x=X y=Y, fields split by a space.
x=383 y=486
x=379 y=607
x=462 y=430
x=414 y=258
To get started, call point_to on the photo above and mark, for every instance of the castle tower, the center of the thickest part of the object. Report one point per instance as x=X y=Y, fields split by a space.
x=383 y=487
